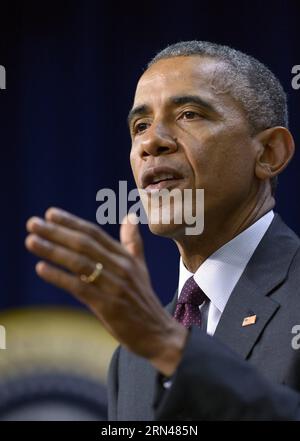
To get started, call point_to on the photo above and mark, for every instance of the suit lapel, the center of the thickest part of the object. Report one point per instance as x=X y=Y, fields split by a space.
x=244 y=302
x=266 y=270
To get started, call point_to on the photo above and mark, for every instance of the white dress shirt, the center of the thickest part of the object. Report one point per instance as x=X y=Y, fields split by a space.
x=219 y=273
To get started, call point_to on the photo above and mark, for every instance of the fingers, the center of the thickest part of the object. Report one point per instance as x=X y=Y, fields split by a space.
x=77 y=245
x=72 y=261
x=80 y=243
x=90 y=294
x=67 y=282
x=62 y=217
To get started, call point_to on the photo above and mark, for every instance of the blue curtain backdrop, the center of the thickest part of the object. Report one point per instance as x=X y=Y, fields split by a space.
x=71 y=71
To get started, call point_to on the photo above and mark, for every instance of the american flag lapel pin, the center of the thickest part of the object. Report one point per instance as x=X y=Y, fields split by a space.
x=249 y=320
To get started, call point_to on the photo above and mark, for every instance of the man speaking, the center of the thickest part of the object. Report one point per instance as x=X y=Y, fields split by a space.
x=206 y=117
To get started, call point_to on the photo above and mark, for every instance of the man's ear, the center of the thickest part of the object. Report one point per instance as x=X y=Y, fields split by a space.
x=276 y=149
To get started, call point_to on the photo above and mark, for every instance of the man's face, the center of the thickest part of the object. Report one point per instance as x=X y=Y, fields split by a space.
x=188 y=132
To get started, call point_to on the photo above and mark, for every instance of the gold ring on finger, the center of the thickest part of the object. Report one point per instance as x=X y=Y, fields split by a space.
x=95 y=274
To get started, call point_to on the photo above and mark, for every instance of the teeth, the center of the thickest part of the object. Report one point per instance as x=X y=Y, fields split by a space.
x=162 y=177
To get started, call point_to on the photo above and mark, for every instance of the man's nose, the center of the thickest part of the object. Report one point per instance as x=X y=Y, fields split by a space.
x=158 y=140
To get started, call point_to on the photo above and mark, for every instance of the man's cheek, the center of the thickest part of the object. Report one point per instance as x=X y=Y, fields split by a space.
x=134 y=167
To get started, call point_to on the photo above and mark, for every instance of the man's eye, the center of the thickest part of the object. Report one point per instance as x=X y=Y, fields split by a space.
x=140 y=127
x=189 y=114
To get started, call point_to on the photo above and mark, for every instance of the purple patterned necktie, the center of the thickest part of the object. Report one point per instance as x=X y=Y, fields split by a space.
x=187 y=310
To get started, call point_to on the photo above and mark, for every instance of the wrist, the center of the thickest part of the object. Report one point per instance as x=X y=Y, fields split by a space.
x=171 y=350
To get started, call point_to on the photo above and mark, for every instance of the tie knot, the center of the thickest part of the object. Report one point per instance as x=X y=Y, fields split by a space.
x=191 y=293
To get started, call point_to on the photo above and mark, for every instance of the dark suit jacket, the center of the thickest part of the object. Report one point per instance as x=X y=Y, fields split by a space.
x=213 y=380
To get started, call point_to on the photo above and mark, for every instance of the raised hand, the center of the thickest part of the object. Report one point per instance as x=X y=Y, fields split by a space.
x=118 y=291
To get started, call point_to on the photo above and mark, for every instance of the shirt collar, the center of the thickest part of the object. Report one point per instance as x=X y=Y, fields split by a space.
x=220 y=272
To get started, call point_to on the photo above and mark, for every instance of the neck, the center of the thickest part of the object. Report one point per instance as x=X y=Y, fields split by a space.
x=218 y=231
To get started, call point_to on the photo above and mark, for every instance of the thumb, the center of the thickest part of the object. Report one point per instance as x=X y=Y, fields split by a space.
x=130 y=236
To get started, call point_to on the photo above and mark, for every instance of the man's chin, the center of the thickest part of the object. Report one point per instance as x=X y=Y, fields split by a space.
x=166 y=230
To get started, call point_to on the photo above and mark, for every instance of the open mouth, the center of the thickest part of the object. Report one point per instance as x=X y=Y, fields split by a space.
x=157 y=178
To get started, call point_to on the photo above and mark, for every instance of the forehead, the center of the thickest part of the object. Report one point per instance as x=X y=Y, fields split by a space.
x=183 y=76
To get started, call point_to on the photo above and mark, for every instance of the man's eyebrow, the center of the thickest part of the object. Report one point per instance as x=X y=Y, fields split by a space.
x=193 y=99
x=141 y=110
